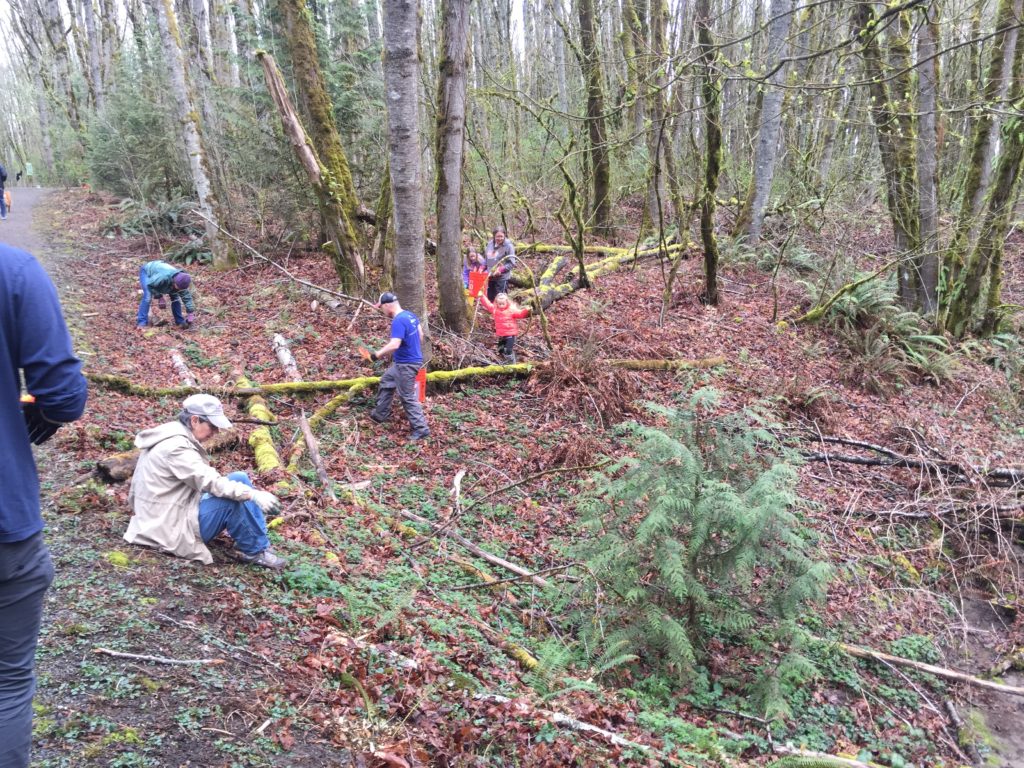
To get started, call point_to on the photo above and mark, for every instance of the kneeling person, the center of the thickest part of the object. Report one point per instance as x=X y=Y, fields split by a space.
x=179 y=502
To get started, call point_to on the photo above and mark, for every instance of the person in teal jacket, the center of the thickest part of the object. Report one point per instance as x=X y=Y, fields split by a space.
x=160 y=279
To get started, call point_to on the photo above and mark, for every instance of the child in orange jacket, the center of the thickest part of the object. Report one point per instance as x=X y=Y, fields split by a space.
x=505 y=315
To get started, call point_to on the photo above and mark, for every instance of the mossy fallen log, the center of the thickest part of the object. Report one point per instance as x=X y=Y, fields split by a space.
x=260 y=440
x=353 y=385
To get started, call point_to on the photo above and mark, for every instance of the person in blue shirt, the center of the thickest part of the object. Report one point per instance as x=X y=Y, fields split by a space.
x=407 y=359
x=34 y=345
x=160 y=279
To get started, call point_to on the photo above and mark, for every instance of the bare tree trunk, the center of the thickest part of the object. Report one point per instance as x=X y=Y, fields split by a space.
x=189 y=123
x=94 y=45
x=401 y=81
x=766 y=153
x=600 y=167
x=56 y=36
x=451 y=141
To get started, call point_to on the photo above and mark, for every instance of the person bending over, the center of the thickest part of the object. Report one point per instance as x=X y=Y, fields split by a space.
x=160 y=279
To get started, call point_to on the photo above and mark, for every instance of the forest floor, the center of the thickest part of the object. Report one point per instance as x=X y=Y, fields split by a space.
x=371 y=649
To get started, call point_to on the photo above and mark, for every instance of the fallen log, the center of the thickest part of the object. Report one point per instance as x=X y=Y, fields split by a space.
x=920 y=666
x=120 y=466
x=262 y=444
x=122 y=384
x=182 y=369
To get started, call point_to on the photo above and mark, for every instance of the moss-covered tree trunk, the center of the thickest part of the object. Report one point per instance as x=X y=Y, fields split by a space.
x=336 y=177
x=600 y=165
x=955 y=254
x=895 y=125
x=986 y=257
x=451 y=141
x=711 y=94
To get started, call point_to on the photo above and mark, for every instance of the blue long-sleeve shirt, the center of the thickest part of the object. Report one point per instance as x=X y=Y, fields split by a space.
x=34 y=343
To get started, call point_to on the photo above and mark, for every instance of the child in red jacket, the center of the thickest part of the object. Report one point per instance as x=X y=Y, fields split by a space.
x=505 y=315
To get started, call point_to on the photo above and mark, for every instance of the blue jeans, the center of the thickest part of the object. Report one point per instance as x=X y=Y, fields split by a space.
x=25 y=573
x=3 y=203
x=142 y=317
x=243 y=520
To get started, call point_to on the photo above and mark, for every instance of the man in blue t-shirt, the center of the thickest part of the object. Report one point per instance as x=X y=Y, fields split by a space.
x=34 y=344
x=407 y=359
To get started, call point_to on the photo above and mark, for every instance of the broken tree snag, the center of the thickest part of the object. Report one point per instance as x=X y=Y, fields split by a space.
x=262 y=444
x=120 y=466
x=182 y=369
x=948 y=674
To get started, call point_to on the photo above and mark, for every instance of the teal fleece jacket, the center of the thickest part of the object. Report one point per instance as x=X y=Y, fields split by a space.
x=160 y=280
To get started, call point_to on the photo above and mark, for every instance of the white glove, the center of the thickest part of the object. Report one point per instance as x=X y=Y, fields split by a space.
x=266 y=501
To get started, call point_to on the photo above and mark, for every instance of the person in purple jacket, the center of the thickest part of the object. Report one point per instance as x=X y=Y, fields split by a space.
x=34 y=344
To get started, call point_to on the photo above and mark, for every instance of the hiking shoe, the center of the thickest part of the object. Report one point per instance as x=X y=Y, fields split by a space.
x=264 y=559
x=377 y=419
x=421 y=435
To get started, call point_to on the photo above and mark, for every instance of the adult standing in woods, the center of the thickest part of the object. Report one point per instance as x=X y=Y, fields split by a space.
x=3 y=199
x=37 y=347
x=179 y=502
x=500 y=259
x=406 y=361
x=160 y=279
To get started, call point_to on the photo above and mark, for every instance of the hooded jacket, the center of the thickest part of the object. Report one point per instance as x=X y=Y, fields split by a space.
x=504 y=319
x=172 y=474
x=160 y=281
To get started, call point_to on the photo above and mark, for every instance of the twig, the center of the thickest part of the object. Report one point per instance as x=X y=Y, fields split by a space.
x=473 y=502
x=155 y=659
x=483 y=584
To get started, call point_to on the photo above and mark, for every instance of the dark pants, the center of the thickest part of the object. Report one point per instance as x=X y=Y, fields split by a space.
x=495 y=285
x=400 y=377
x=25 y=573
x=506 y=347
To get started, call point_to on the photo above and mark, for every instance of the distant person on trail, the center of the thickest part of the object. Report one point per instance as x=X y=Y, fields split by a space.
x=160 y=279
x=3 y=197
x=28 y=173
x=505 y=315
x=179 y=502
x=500 y=259
x=35 y=346
x=407 y=359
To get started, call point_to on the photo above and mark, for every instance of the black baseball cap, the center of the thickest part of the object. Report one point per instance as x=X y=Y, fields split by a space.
x=387 y=298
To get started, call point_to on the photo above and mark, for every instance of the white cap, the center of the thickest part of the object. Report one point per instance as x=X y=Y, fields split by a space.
x=209 y=408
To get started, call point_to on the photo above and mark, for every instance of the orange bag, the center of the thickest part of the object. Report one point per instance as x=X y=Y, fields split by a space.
x=477 y=282
x=421 y=385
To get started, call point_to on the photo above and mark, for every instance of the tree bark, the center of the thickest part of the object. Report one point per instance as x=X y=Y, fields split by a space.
x=451 y=142
x=711 y=92
x=401 y=81
x=600 y=166
x=335 y=174
x=927 y=160
x=766 y=153
x=188 y=120
x=348 y=265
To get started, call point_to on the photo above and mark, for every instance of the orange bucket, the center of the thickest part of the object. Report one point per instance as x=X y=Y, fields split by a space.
x=477 y=281
x=421 y=385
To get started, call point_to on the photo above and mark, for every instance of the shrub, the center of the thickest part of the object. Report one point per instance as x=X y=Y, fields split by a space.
x=694 y=536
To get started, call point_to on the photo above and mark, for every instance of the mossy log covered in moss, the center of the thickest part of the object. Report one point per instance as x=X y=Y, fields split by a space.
x=120 y=466
x=262 y=444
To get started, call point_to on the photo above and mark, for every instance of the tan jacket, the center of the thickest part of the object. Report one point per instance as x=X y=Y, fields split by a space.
x=171 y=476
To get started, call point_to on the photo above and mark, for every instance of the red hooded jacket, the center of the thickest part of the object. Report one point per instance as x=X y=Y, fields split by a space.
x=504 y=319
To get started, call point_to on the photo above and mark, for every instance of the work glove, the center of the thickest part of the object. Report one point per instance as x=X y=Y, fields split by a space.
x=161 y=302
x=266 y=501
x=40 y=428
x=190 y=318
x=367 y=355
